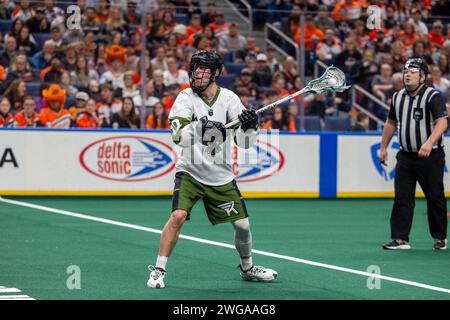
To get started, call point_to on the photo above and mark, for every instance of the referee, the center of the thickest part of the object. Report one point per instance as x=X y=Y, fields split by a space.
x=418 y=114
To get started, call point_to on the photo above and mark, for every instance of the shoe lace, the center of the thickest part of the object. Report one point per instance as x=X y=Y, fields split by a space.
x=158 y=272
x=257 y=269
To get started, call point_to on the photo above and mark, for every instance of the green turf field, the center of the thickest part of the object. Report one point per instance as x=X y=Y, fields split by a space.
x=37 y=247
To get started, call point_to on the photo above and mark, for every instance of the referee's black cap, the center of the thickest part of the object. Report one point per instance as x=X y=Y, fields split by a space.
x=417 y=63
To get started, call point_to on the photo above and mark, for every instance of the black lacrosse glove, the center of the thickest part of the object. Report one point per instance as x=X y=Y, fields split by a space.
x=248 y=119
x=211 y=131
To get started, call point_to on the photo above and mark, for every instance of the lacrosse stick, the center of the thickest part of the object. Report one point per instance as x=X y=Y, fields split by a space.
x=332 y=79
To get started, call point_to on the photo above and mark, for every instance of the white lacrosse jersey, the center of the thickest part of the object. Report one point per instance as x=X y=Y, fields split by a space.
x=189 y=108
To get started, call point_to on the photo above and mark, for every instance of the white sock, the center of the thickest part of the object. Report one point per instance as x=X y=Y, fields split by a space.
x=161 y=262
x=246 y=263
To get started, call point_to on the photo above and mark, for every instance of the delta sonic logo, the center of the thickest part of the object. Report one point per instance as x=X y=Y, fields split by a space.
x=259 y=162
x=387 y=172
x=128 y=158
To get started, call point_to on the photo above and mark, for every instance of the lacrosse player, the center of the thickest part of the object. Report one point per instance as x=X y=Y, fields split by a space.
x=197 y=119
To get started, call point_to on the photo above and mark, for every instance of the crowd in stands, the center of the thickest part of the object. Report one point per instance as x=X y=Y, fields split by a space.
x=57 y=73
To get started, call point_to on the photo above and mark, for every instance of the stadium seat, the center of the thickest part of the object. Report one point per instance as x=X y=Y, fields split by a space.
x=5 y=26
x=228 y=56
x=181 y=18
x=33 y=88
x=40 y=39
x=335 y=123
x=234 y=67
x=226 y=81
x=311 y=123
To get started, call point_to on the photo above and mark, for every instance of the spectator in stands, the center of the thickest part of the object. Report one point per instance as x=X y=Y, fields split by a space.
x=329 y=47
x=232 y=41
x=349 y=60
x=290 y=70
x=158 y=83
x=312 y=34
x=320 y=106
x=16 y=93
x=444 y=64
x=28 y=116
x=279 y=83
x=129 y=88
x=362 y=123
x=108 y=105
x=42 y=59
x=115 y=59
x=244 y=81
x=6 y=117
x=160 y=61
x=151 y=99
x=52 y=11
x=69 y=62
x=278 y=121
x=173 y=75
x=115 y=21
x=398 y=53
x=127 y=117
x=354 y=9
x=16 y=26
x=8 y=56
x=157 y=119
x=277 y=10
x=439 y=82
x=368 y=69
x=91 y=22
x=168 y=23
x=382 y=83
x=323 y=20
x=245 y=96
x=418 y=50
x=103 y=11
x=291 y=115
x=210 y=14
x=23 y=12
x=82 y=74
x=55 y=115
x=88 y=118
x=397 y=85
x=56 y=34
x=194 y=27
x=219 y=26
x=94 y=90
x=66 y=84
x=21 y=69
x=26 y=42
x=272 y=61
x=250 y=49
x=53 y=73
x=81 y=98
x=262 y=75
x=38 y=23
x=436 y=34
x=419 y=26
x=170 y=96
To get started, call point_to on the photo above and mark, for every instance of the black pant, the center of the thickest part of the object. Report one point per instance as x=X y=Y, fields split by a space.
x=429 y=172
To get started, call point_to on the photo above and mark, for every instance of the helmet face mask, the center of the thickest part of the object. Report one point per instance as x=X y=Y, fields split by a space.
x=205 y=67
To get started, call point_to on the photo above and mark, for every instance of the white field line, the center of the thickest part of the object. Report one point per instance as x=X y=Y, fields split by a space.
x=9 y=290
x=225 y=245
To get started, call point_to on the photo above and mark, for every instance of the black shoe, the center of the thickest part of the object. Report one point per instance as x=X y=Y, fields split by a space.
x=440 y=244
x=397 y=244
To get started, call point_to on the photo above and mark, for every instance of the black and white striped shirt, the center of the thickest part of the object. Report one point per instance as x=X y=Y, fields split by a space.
x=416 y=117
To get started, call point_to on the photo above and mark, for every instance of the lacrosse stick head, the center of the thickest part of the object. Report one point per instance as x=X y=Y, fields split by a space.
x=333 y=79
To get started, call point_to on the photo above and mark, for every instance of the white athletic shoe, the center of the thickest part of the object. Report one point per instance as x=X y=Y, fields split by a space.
x=156 y=279
x=259 y=273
